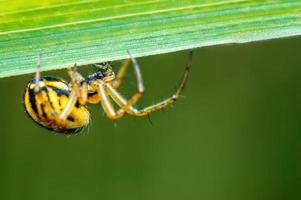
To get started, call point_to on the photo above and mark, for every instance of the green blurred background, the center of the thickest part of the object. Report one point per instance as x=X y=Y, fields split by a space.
x=235 y=135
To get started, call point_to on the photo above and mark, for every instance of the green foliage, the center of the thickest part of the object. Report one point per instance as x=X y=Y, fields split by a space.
x=88 y=31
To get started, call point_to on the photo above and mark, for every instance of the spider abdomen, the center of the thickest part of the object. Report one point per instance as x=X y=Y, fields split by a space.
x=45 y=106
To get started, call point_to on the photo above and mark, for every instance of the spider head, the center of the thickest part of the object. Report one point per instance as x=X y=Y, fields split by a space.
x=105 y=71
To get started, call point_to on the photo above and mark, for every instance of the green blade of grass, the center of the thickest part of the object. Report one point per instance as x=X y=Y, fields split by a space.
x=89 y=31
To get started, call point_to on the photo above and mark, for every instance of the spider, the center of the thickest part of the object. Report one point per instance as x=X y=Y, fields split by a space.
x=60 y=106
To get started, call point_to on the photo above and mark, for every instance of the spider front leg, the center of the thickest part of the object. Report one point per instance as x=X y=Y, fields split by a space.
x=140 y=88
x=106 y=104
x=170 y=100
x=121 y=73
x=128 y=106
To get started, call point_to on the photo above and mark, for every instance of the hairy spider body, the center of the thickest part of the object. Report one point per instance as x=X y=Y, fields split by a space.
x=61 y=107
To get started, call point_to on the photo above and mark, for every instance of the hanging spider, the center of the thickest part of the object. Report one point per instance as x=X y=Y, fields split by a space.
x=60 y=106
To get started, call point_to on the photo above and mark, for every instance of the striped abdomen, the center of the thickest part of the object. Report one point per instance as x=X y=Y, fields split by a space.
x=45 y=106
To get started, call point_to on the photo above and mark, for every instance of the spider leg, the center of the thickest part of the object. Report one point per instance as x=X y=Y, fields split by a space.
x=38 y=79
x=74 y=74
x=121 y=72
x=106 y=104
x=77 y=85
x=78 y=92
x=69 y=106
x=115 y=95
x=38 y=74
x=128 y=106
x=140 y=87
x=173 y=98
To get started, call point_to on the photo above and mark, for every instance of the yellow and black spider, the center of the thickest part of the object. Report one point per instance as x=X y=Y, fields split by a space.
x=60 y=106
